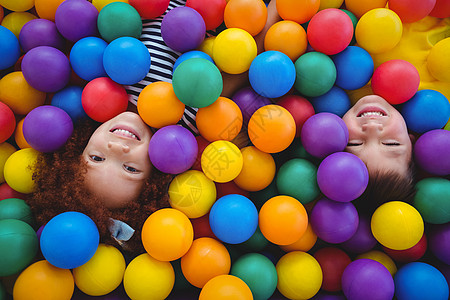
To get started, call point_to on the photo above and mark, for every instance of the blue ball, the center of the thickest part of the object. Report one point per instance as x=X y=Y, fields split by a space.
x=86 y=58
x=69 y=100
x=233 y=218
x=126 y=60
x=9 y=48
x=69 y=240
x=191 y=54
x=272 y=74
x=425 y=111
x=418 y=280
x=354 y=67
x=335 y=101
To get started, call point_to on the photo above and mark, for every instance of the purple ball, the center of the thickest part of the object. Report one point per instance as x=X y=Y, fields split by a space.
x=46 y=69
x=40 y=32
x=342 y=176
x=439 y=242
x=367 y=279
x=334 y=222
x=76 y=19
x=173 y=149
x=47 y=128
x=323 y=134
x=431 y=152
x=249 y=101
x=363 y=240
x=183 y=29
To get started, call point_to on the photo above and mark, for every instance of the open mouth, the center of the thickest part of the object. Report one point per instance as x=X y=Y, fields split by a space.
x=372 y=112
x=128 y=133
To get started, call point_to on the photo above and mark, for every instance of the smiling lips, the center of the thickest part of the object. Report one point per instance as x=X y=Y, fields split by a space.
x=125 y=133
x=371 y=112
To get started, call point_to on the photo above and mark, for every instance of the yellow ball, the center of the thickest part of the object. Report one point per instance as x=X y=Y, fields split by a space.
x=6 y=150
x=146 y=278
x=330 y=4
x=221 y=161
x=192 y=193
x=299 y=275
x=382 y=258
x=234 y=50
x=397 y=225
x=99 y=4
x=438 y=61
x=225 y=287
x=258 y=169
x=207 y=45
x=379 y=30
x=15 y=21
x=19 y=168
x=16 y=5
x=305 y=243
x=18 y=136
x=103 y=273
x=18 y=94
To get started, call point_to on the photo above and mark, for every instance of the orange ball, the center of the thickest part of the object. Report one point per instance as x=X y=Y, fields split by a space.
x=226 y=287
x=206 y=259
x=250 y=15
x=288 y=37
x=18 y=136
x=283 y=220
x=305 y=243
x=46 y=9
x=360 y=7
x=300 y=11
x=158 y=105
x=271 y=128
x=167 y=234
x=221 y=120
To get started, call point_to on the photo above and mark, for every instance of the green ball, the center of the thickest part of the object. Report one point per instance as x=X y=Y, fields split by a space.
x=119 y=19
x=14 y=208
x=298 y=178
x=197 y=82
x=256 y=243
x=258 y=272
x=2 y=292
x=432 y=200
x=260 y=197
x=18 y=246
x=316 y=74
x=354 y=22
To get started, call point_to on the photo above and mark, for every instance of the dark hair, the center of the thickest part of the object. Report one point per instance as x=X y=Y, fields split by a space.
x=59 y=180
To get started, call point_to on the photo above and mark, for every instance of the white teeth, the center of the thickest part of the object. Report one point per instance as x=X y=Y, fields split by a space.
x=126 y=133
x=372 y=113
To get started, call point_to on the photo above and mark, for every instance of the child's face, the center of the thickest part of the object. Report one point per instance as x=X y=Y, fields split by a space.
x=117 y=160
x=378 y=135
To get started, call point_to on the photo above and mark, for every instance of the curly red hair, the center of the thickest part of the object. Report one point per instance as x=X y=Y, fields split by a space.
x=59 y=179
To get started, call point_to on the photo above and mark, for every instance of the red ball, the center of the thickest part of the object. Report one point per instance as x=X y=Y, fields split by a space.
x=201 y=143
x=441 y=9
x=411 y=11
x=150 y=9
x=7 y=192
x=330 y=31
x=228 y=188
x=103 y=99
x=300 y=109
x=202 y=228
x=396 y=81
x=333 y=262
x=7 y=122
x=409 y=255
x=212 y=11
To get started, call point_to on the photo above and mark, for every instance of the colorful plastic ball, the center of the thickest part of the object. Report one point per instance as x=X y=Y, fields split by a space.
x=212 y=11
x=15 y=208
x=197 y=82
x=41 y=280
x=7 y=122
x=6 y=150
x=287 y=37
x=333 y=262
x=225 y=287
x=18 y=170
x=173 y=29
x=40 y=32
x=69 y=100
x=438 y=242
x=367 y=279
x=397 y=225
x=167 y=234
x=17 y=6
x=283 y=220
x=300 y=109
x=354 y=67
x=382 y=258
x=9 y=48
x=76 y=19
x=249 y=15
x=428 y=148
x=414 y=253
x=148 y=278
x=359 y=8
x=202 y=228
x=46 y=9
x=437 y=62
x=228 y=188
x=173 y=149
x=271 y=128
x=14 y=21
x=411 y=11
x=221 y=161
x=206 y=259
x=46 y=69
x=207 y=45
x=18 y=245
x=7 y=192
x=299 y=275
x=201 y=143
x=330 y=4
x=316 y=74
x=234 y=50
x=86 y=58
x=379 y=30
x=192 y=193
x=103 y=99
x=191 y=54
x=334 y=222
x=69 y=240
x=103 y=273
x=119 y=19
x=305 y=243
x=18 y=136
x=249 y=101
x=244 y=215
x=297 y=11
x=419 y=280
x=47 y=128
x=150 y=9
x=431 y=200
x=335 y=101
x=441 y=9
x=362 y=240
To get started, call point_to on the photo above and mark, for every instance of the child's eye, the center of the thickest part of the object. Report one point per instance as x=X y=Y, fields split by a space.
x=130 y=169
x=96 y=158
x=392 y=144
x=353 y=144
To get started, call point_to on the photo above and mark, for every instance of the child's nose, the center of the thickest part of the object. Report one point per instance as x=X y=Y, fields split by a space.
x=117 y=146
x=372 y=127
